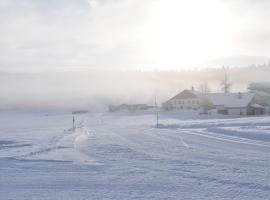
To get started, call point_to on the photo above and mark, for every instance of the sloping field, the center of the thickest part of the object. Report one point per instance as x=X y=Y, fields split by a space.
x=124 y=156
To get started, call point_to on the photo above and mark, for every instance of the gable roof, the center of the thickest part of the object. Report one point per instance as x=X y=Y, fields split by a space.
x=231 y=100
x=260 y=85
x=261 y=93
x=187 y=94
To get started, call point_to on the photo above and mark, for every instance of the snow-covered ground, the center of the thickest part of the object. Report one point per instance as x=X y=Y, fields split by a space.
x=121 y=156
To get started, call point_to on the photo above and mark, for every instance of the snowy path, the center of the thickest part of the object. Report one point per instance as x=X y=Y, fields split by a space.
x=125 y=157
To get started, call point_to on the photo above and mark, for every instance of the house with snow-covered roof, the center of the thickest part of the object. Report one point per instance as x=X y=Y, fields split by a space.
x=186 y=100
x=246 y=103
x=235 y=103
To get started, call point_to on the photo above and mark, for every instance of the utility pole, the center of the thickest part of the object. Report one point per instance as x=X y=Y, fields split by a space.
x=157 y=114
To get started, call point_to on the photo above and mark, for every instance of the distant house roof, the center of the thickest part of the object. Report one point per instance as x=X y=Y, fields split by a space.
x=260 y=85
x=231 y=100
x=261 y=93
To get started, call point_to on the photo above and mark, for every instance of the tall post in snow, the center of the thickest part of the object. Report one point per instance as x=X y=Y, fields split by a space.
x=157 y=114
x=73 y=122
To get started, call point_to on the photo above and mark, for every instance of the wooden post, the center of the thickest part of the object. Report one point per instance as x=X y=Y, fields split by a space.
x=73 y=122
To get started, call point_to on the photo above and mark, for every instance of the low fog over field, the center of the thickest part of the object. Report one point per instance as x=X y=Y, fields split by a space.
x=98 y=88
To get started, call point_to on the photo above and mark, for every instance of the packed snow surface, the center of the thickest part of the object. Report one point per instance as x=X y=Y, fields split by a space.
x=124 y=156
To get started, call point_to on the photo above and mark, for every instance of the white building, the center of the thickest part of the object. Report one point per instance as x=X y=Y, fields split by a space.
x=186 y=100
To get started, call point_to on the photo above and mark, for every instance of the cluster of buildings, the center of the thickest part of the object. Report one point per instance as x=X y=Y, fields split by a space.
x=254 y=102
x=129 y=107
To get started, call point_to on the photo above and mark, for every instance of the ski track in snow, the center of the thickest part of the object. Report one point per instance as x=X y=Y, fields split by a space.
x=125 y=157
x=228 y=138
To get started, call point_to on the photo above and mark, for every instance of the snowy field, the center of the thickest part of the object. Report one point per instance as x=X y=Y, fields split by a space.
x=121 y=156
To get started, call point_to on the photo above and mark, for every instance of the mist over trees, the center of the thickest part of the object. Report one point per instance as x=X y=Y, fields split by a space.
x=99 y=88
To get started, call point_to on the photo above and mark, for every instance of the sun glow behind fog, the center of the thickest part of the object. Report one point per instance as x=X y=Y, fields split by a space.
x=132 y=34
x=181 y=34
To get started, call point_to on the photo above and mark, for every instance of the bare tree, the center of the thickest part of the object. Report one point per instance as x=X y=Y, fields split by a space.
x=204 y=88
x=225 y=84
x=206 y=104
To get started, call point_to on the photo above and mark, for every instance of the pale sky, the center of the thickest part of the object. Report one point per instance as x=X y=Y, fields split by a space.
x=131 y=34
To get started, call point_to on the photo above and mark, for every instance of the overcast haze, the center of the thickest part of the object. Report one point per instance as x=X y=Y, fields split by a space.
x=132 y=34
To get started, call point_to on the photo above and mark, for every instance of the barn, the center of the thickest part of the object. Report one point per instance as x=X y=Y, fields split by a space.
x=233 y=103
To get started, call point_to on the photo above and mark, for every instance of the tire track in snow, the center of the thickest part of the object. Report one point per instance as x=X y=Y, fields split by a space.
x=184 y=143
